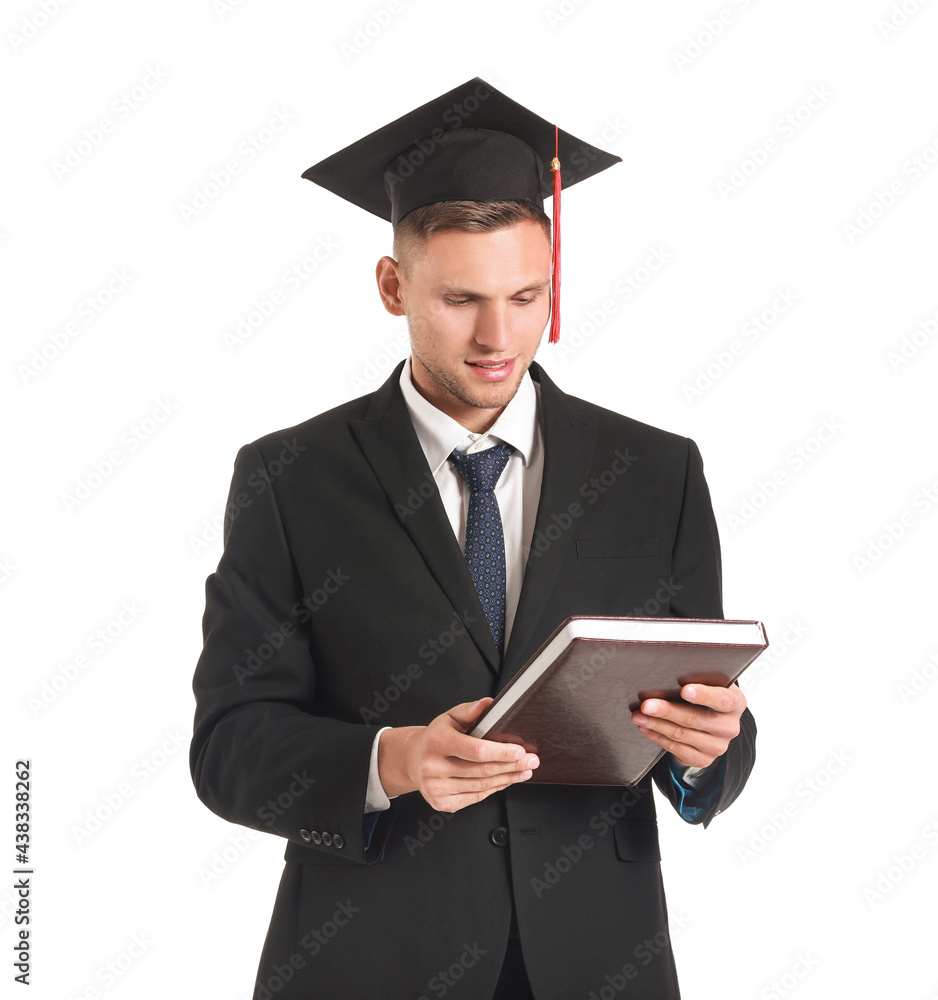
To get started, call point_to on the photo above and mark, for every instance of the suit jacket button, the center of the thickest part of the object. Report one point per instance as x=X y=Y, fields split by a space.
x=306 y=835
x=337 y=841
x=327 y=839
x=316 y=837
x=499 y=836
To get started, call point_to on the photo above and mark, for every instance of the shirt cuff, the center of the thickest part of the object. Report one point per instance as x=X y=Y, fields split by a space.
x=697 y=788
x=376 y=799
x=695 y=777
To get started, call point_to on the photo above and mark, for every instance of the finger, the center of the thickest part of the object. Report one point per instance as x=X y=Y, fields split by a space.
x=681 y=715
x=469 y=785
x=467 y=713
x=680 y=720
x=452 y=796
x=707 y=743
x=450 y=742
x=453 y=753
x=720 y=699
x=461 y=770
x=689 y=756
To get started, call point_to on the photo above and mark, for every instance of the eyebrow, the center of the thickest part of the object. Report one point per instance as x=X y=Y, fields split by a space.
x=535 y=286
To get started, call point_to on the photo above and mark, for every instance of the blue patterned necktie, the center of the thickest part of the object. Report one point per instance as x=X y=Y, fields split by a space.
x=485 y=541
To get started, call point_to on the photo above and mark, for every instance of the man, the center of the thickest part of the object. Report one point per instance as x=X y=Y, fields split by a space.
x=377 y=592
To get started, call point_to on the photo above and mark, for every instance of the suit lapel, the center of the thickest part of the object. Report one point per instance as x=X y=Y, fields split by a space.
x=569 y=445
x=389 y=442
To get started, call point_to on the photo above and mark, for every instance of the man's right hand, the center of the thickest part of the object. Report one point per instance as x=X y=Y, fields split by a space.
x=450 y=769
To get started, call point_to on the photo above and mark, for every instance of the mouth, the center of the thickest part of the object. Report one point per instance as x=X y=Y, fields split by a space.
x=492 y=371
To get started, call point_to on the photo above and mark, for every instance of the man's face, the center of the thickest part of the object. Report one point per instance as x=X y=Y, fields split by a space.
x=476 y=307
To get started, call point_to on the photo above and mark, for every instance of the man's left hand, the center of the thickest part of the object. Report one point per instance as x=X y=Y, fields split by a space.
x=697 y=733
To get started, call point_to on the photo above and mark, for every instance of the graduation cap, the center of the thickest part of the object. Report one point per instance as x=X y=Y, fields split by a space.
x=472 y=143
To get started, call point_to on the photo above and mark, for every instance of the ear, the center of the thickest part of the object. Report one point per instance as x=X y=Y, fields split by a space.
x=388 y=275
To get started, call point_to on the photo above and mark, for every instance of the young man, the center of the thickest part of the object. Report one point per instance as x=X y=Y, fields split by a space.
x=420 y=545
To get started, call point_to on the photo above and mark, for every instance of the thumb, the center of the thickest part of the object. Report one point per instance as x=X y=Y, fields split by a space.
x=467 y=713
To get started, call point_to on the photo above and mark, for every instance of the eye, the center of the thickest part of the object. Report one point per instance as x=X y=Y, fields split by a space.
x=451 y=301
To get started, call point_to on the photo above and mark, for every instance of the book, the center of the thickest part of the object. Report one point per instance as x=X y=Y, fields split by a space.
x=572 y=702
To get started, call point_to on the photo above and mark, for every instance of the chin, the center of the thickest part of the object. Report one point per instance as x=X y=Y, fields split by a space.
x=494 y=400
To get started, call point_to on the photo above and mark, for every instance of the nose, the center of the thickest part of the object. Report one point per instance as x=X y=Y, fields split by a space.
x=493 y=329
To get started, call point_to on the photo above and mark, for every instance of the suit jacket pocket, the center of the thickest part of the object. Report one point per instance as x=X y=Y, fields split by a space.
x=617 y=547
x=637 y=840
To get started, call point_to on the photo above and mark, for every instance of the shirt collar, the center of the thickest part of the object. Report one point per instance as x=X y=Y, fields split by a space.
x=439 y=433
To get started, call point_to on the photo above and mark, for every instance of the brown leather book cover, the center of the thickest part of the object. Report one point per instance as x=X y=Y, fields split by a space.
x=573 y=707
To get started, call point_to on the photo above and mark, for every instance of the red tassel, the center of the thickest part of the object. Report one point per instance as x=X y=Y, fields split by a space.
x=555 y=268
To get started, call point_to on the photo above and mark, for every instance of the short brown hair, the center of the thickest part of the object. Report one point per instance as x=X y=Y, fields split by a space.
x=413 y=231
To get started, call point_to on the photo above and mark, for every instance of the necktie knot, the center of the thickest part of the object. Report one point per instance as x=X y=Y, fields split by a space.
x=481 y=471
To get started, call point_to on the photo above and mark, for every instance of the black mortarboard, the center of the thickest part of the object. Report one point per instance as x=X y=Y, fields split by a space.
x=471 y=144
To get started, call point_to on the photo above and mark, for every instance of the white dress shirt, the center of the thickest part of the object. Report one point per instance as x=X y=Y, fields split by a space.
x=517 y=491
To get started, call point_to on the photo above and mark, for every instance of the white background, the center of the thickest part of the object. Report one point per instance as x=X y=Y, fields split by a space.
x=833 y=550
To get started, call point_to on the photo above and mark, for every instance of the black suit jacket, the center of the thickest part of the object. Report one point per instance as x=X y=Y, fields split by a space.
x=343 y=602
